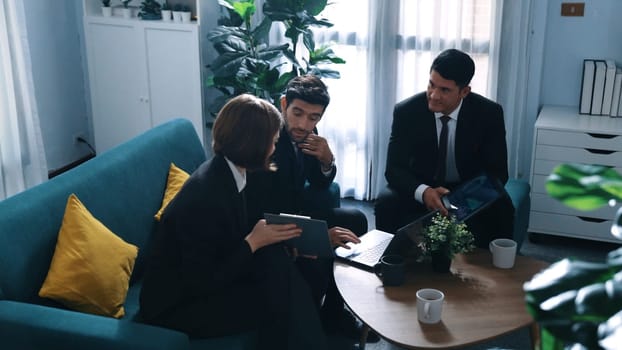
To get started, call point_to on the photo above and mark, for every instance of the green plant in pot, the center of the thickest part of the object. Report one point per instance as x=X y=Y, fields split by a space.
x=442 y=239
x=578 y=304
x=247 y=63
x=126 y=3
x=150 y=10
x=106 y=9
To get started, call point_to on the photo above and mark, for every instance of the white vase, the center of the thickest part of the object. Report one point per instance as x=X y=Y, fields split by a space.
x=185 y=17
x=107 y=11
x=177 y=16
x=166 y=15
x=127 y=13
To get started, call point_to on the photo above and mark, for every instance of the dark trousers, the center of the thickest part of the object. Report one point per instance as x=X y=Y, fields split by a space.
x=393 y=211
x=276 y=301
x=355 y=221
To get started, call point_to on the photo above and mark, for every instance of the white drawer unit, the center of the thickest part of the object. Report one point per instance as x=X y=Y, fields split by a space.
x=562 y=135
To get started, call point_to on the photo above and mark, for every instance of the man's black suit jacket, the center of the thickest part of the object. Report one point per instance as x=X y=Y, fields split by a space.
x=281 y=191
x=480 y=144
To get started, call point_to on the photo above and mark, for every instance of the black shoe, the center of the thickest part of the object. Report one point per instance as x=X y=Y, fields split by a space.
x=345 y=324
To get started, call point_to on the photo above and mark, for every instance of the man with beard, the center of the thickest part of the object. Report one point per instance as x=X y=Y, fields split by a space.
x=302 y=156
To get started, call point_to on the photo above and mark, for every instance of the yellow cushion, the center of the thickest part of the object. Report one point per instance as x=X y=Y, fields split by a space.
x=91 y=266
x=176 y=179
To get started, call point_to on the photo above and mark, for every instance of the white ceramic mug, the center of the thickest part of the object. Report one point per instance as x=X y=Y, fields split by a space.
x=429 y=305
x=503 y=252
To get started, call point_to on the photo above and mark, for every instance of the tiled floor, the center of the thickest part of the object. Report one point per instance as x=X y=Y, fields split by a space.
x=548 y=248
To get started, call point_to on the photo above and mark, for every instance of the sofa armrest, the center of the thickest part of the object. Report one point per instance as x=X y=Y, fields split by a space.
x=31 y=326
x=518 y=190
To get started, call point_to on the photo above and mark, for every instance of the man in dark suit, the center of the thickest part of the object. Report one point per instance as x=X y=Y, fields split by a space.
x=301 y=156
x=420 y=169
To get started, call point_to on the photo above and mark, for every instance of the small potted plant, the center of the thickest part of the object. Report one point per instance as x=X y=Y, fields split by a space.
x=106 y=9
x=150 y=10
x=166 y=12
x=177 y=10
x=127 y=11
x=185 y=14
x=442 y=239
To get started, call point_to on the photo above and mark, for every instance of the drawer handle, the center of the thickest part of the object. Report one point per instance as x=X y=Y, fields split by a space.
x=599 y=151
x=601 y=136
x=585 y=218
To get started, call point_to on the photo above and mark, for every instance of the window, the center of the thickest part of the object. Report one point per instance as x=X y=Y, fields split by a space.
x=389 y=47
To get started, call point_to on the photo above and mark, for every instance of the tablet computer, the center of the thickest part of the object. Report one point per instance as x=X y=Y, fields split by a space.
x=313 y=241
x=472 y=197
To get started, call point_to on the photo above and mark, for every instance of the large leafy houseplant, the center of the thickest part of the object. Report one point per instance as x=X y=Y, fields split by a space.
x=247 y=63
x=578 y=304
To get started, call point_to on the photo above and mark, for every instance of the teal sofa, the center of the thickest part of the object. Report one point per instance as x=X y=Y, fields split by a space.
x=123 y=188
x=518 y=190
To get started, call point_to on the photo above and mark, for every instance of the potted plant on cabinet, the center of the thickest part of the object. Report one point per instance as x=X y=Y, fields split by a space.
x=166 y=12
x=150 y=10
x=578 y=304
x=177 y=10
x=106 y=9
x=127 y=11
x=185 y=14
x=442 y=239
x=247 y=64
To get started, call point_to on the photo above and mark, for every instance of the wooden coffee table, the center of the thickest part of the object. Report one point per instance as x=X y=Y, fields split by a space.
x=481 y=301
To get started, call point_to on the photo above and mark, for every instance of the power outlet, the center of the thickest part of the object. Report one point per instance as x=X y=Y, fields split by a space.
x=573 y=9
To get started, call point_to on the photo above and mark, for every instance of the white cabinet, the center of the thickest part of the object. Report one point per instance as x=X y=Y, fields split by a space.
x=141 y=73
x=562 y=135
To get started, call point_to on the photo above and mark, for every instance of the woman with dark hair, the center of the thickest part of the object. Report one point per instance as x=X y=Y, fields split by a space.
x=208 y=273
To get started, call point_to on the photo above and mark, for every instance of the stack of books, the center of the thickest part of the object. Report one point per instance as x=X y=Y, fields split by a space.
x=601 y=88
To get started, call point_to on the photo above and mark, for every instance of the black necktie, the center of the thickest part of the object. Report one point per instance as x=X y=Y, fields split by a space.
x=442 y=152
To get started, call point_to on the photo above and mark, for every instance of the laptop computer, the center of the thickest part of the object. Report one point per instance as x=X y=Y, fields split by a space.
x=464 y=202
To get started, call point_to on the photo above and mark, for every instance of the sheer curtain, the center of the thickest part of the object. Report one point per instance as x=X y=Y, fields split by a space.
x=22 y=159
x=514 y=74
x=389 y=47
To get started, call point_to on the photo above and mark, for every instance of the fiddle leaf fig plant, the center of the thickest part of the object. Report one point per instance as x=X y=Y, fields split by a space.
x=248 y=63
x=578 y=304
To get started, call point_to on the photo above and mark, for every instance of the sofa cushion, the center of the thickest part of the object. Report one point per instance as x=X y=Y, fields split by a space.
x=174 y=182
x=91 y=266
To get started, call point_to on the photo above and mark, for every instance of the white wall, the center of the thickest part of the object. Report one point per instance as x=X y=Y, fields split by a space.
x=55 y=33
x=54 y=30
x=569 y=40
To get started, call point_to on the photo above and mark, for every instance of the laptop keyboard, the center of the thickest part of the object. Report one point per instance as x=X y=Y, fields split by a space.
x=372 y=254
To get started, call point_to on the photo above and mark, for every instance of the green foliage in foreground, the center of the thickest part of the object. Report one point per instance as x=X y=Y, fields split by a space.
x=578 y=304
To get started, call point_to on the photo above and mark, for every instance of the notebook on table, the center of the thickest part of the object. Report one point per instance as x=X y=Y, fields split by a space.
x=463 y=202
